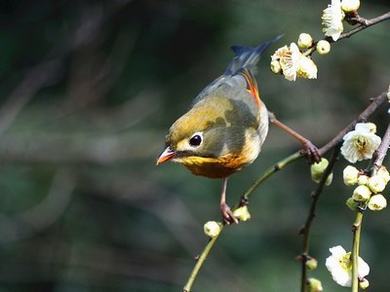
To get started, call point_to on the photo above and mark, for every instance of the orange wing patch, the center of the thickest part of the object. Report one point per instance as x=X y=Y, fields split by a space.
x=251 y=84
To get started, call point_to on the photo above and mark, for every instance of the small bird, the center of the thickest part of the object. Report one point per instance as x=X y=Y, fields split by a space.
x=226 y=126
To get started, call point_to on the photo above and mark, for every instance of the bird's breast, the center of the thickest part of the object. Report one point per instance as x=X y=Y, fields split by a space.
x=227 y=164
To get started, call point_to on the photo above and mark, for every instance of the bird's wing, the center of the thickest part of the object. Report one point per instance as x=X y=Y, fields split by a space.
x=235 y=85
x=240 y=71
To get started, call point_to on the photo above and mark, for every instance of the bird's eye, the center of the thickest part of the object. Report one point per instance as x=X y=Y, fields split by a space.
x=196 y=140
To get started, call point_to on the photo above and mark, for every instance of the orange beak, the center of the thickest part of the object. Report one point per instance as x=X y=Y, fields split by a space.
x=168 y=154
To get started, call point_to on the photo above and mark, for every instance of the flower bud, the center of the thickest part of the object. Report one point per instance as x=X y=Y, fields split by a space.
x=242 y=213
x=311 y=264
x=361 y=194
x=382 y=172
x=317 y=169
x=323 y=47
x=363 y=284
x=329 y=179
x=275 y=67
x=314 y=285
x=371 y=127
x=305 y=41
x=376 y=184
x=350 y=175
x=212 y=228
x=350 y=5
x=352 y=204
x=377 y=203
x=363 y=179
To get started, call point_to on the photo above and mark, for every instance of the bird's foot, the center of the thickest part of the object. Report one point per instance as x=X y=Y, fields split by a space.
x=311 y=152
x=227 y=214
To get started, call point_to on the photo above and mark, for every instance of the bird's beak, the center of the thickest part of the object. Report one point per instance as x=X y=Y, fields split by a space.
x=168 y=154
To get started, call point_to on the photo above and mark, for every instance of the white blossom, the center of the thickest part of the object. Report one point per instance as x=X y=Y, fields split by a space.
x=339 y=264
x=332 y=20
x=361 y=143
x=288 y=58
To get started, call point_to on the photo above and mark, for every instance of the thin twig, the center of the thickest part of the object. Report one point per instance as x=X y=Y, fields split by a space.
x=382 y=149
x=356 y=229
x=199 y=263
x=376 y=102
x=267 y=174
x=305 y=231
x=365 y=23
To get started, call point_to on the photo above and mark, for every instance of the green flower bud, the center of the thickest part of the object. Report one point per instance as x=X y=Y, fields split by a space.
x=383 y=173
x=305 y=41
x=361 y=193
x=311 y=264
x=329 y=179
x=242 y=213
x=350 y=175
x=377 y=203
x=212 y=228
x=376 y=184
x=275 y=67
x=323 y=47
x=363 y=284
x=317 y=169
x=352 y=204
x=350 y=5
x=363 y=179
x=314 y=285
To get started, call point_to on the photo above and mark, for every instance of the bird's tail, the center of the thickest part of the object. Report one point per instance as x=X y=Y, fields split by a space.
x=247 y=57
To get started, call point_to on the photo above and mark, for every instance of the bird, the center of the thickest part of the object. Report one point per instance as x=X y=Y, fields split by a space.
x=226 y=126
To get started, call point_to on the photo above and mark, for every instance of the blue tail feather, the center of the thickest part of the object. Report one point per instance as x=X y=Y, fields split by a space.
x=247 y=57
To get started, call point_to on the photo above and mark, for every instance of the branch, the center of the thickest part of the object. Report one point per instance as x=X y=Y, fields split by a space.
x=381 y=152
x=305 y=231
x=364 y=23
x=376 y=102
x=353 y=19
x=371 y=108
x=377 y=161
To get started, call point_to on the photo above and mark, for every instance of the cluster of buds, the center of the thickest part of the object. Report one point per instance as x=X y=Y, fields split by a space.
x=317 y=170
x=292 y=63
x=369 y=188
x=213 y=228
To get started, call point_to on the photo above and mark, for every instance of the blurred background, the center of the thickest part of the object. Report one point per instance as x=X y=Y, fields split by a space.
x=88 y=90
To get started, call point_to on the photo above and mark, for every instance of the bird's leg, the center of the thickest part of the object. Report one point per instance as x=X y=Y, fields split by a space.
x=226 y=212
x=309 y=149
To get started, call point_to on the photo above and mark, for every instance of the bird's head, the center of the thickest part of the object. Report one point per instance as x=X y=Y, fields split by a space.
x=203 y=132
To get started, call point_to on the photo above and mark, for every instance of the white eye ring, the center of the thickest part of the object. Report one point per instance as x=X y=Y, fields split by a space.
x=196 y=139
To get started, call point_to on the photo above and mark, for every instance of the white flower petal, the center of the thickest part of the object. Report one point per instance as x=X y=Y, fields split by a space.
x=332 y=18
